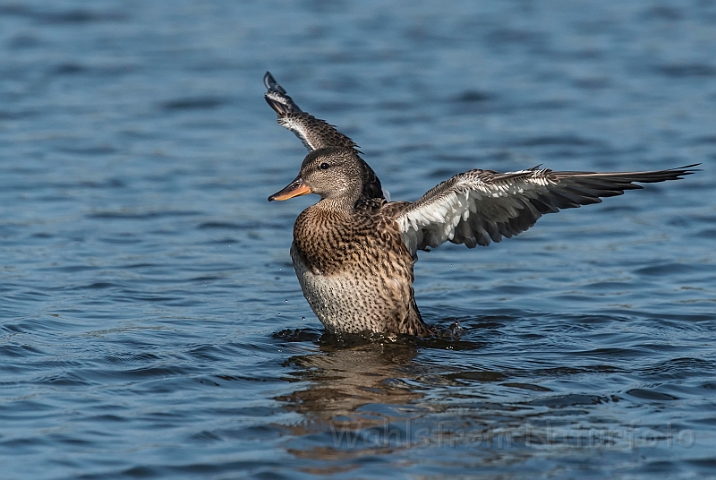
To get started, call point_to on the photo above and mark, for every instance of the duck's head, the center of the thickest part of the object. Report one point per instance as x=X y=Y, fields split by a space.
x=334 y=173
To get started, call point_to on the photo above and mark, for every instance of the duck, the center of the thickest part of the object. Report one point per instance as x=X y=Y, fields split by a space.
x=354 y=251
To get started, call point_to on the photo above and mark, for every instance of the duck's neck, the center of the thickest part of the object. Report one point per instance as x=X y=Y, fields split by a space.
x=339 y=204
x=349 y=208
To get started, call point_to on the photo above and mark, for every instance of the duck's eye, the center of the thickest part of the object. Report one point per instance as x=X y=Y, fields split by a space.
x=324 y=166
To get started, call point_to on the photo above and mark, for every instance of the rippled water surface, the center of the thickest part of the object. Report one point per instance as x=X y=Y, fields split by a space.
x=151 y=323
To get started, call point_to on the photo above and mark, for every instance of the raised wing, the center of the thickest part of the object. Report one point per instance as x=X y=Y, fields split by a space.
x=482 y=205
x=313 y=132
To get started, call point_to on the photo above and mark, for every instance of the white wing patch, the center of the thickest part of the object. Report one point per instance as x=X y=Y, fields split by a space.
x=298 y=127
x=441 y=213
x=442 y=216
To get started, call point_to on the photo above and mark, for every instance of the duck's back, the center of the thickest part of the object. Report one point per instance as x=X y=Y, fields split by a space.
x=355 y=271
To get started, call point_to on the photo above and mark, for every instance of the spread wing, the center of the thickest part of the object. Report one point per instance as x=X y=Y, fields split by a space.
x=482 y=205
x=313 y=132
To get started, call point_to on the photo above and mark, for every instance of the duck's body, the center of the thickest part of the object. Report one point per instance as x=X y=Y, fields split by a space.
x=354 y=252
x=354 y=270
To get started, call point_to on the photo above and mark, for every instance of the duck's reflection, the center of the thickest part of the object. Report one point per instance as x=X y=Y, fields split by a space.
x=353 y=388
x=363 y=400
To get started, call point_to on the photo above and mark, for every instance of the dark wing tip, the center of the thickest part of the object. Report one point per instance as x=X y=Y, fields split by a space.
x=277 y=98
x=688 y=169
x=272 y=85
x=672 y=173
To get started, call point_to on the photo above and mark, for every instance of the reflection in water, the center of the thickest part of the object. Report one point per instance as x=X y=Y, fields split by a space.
x=372 y=399
x=426 y=399
x=354 y=395
x=345 y=382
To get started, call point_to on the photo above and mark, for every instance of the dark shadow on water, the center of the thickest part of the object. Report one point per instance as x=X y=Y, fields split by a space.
x=447 y=336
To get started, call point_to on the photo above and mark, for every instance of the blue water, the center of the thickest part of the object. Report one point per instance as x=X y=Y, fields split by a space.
x=151 y=323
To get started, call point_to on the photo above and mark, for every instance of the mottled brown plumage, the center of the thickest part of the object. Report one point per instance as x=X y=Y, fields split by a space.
x=355 y=272
x=353 y=267
x=354 y=252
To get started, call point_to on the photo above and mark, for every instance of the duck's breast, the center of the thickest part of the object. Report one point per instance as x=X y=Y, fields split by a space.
x=355 y=271
x=338 y=299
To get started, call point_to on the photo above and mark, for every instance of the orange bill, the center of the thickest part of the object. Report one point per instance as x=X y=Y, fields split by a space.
x=293 y=189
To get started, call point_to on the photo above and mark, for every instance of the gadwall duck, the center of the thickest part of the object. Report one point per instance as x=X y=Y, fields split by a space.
x=354 y=251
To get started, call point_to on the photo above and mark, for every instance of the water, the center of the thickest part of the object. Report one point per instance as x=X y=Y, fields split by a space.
x=152 y=325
